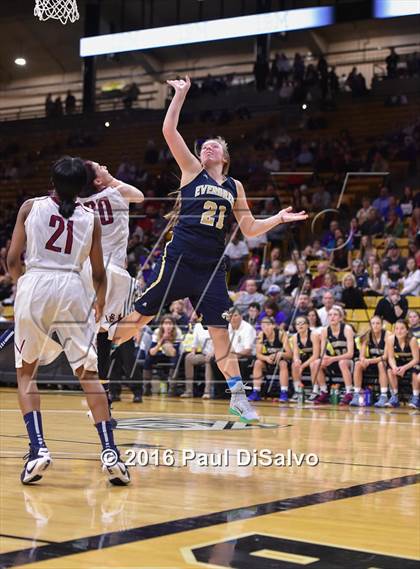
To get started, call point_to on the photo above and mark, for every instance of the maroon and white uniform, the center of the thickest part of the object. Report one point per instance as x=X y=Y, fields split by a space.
x=112 y=211
x=50 y=295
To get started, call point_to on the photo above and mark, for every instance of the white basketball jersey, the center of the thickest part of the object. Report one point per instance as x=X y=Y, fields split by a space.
x=113 y=212
x=53 y=242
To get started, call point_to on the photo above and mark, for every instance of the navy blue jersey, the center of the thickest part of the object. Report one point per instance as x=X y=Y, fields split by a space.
x=200 y=232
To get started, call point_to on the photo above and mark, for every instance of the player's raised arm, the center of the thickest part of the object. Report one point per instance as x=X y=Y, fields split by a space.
x=17 y=245
x=98 y=270
x=189 y=164
x=252 y=227
x=128 y=192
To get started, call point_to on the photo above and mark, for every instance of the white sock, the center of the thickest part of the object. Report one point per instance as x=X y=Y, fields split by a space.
x=257 y=388
x=357 y=389
x=348 y=389
x=324 y=389
x=315 y=388
x=394 y=391
x=284 y=388
x=384 y=390
x=416 y=392
x=296 y=385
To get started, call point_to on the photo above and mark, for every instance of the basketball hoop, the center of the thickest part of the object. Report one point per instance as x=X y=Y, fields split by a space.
x=62 y=10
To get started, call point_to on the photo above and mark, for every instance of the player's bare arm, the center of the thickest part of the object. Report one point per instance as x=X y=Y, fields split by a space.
x=18 y=243
x=252 y=227
x=189 y=164
x=98 y=270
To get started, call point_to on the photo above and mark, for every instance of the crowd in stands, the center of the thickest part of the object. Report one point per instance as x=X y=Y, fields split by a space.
x=280 y=283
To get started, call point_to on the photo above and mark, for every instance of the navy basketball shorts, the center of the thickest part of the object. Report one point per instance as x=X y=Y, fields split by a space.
x=204 y=285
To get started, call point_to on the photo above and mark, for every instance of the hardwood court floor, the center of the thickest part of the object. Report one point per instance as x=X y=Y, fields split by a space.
x=358 y=508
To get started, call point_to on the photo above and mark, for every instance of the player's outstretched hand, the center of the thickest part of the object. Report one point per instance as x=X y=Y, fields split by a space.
x=181 y=87
x=288 y=216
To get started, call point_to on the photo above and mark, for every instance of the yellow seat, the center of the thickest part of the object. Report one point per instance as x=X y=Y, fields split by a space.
x=8 y=312
x=378 y=242
x=358 y=315
x=413 y=302
x=401 y=241
x=371 y=301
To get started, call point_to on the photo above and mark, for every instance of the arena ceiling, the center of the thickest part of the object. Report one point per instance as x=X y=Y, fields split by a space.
x=52 y=48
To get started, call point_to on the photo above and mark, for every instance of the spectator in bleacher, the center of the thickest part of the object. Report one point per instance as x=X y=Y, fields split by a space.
x=70 y=103
x=406 y=203
x=49 y=106
x=271 y=163
x=3 y=262
x=394 y=227
x=165 y=349
x=373 y=225
x=379 y=163
x=242 y=340
x=328 y=238
x=271 y=310
x=127 y=171
x=378 y=281
x=305 y=156
x=151 y=154
x=327 y=303
x=201 y=353
x=302 y=274
x=252 y=272
x=253 y=313
x=393 y=205
x=414 y=226
x=302 y=306
x=340 y=257
x=393 y=306
x=250 y=294
x=274 y=276
x=413 y=319
x=286 y=91
x=392 y=63
x=352 y=296
x=314 y=320
x=322 y=270
x=381 y=203
x=411 y=280
x=363 y=214
x=360 y=274
x=58 y=107
x=366 y=249
x=274 y=293
x=393 y=263
x=330 y=285
x=321 y=199
x=6 y=287
x=177 y=311
x=237 y=251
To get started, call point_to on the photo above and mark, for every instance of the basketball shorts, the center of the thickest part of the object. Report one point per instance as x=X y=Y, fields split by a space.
x=119 y=293
x=204 y=285
x=49 y=302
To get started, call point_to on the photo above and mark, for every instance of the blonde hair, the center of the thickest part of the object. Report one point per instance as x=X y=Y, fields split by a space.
x=338 y=309
x=173 y=216
x=349 y=276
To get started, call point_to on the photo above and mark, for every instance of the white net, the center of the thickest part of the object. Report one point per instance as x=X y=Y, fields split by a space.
x=62 y=10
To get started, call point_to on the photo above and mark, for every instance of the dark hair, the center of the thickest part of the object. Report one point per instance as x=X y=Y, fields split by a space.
x=255 y=305
x=69 y=177
x=89 y=188
x=317 y=318
x=272 y=305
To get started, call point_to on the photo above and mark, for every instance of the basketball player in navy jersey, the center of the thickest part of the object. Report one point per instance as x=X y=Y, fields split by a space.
x=192 y=264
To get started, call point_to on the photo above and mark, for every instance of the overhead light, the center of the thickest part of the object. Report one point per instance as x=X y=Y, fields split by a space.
x=393 y=9
x=20 y=61
x=107 y=124
x=304 y=106
x=210 y=30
